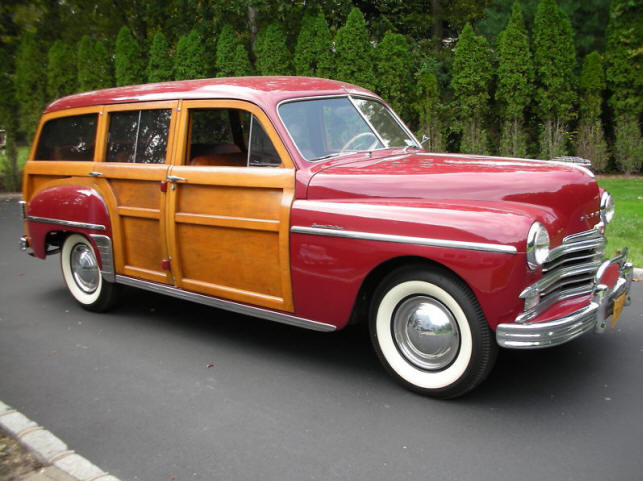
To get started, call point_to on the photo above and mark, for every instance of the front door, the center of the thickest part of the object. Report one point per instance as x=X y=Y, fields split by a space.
x=231 y=189
x=132 y=170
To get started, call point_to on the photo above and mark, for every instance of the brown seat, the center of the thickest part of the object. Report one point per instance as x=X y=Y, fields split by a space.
x=230 y=160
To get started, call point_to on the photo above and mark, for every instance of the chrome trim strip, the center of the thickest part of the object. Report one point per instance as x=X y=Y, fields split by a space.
x=67 y=223
x=226 y=305
x=104 y=245
x=424 y=241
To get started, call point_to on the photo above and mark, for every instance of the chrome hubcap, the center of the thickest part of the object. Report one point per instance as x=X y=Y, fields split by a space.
x=426 y=333
x=84 y=268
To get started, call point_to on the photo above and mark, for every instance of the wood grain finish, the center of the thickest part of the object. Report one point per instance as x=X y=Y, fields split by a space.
x=228 y=226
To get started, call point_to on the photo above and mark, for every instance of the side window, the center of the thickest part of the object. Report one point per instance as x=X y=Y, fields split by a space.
x=218 y=137
x=138 y=136
x=262 y=152
x=68 y=138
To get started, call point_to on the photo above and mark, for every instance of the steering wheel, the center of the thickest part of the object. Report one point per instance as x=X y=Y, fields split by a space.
x=359 y=136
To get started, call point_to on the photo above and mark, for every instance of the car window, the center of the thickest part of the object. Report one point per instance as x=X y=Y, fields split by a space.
x=262 y=152
x=138 y=136
x=68 y=138
x=229 y=138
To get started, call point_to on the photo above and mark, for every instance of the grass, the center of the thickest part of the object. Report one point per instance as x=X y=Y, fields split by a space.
x=626 y=230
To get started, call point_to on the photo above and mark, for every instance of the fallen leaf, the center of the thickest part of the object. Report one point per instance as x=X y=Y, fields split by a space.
x=209 y=365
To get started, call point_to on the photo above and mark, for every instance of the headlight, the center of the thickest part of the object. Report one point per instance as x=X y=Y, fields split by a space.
x=607 y=207
x=537 y=245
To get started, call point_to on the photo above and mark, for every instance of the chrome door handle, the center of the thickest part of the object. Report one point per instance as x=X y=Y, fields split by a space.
x=95 y=174
x=174 y=178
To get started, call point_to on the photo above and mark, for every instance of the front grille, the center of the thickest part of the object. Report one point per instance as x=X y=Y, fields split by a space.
x=568 y=272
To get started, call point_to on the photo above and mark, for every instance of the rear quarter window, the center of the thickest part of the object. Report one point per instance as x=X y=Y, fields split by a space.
x=68 y=138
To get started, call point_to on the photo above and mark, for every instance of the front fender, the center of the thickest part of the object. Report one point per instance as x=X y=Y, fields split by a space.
x=336 y=244
x=72 y=208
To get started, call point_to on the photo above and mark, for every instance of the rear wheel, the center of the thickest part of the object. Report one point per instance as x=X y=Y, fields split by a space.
x=82 y=275
x=430 y=333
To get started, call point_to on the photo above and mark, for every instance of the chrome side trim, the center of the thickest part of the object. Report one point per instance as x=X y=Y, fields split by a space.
x=23 y=208
x=67 y=223
x=226 y=305
x=104 y=245
x=424 y=241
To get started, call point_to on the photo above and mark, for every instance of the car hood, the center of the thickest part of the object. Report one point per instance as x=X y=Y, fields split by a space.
x=564 y=196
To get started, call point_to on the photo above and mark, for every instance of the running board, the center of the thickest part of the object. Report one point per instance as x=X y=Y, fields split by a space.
x=226 y=305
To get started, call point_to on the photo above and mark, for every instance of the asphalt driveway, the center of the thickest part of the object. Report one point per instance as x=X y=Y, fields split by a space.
x=161 y=389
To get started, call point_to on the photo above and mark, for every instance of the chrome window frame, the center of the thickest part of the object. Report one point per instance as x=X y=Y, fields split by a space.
x=350 y=97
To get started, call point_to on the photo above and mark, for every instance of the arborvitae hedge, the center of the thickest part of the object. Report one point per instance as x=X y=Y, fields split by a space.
x=554 y=62
x=61 y=70
x=189 y=61
x=159 y=65
x=273 y=56
x=9 y=122
x=354 y=53
x=470 y=84
x=30 y=81
x=225 y=54
x=394 y=72
x=242 y=65
x=514 y=89
x=625 y=80
x=129 y=66
x=428 y=110
x=591 y=141
x=313 y=51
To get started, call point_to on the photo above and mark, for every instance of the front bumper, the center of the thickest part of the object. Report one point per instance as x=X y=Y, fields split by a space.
x=593 y=316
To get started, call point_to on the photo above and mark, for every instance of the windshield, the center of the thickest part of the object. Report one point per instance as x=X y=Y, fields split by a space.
x=330 y=127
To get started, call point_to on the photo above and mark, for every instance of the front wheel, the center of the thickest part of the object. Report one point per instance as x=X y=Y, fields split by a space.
x=82 y=275
x=430 y=333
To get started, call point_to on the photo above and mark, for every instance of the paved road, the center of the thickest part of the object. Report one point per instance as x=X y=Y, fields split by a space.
x=161 y=389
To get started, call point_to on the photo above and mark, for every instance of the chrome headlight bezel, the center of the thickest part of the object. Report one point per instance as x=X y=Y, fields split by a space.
x=607 y=207
x=537 y=245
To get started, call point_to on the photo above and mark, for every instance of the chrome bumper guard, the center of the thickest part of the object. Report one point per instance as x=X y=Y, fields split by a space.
x=593 y=316
x=23 y=243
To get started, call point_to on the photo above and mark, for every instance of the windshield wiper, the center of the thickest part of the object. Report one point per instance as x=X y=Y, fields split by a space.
x=334 y=154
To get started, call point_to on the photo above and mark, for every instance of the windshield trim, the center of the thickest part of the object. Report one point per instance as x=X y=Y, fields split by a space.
x=350 y=99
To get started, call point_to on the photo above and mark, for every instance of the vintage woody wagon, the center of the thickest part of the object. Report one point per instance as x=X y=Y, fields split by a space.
x=308 y=202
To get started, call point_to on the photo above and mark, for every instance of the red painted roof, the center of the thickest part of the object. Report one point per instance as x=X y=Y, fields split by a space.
x=263 y=91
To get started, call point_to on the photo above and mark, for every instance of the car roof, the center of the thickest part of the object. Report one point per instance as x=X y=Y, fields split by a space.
x=266 y=92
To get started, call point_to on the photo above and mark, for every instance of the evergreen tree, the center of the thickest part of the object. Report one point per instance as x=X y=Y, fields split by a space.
x=61 y=70
x=313 y=51
x=30 y=82
x=429 y=110
x=515 y=76
x=189 y=61
x=85 y=64
x=354 y=53
x=554 y=62
x=470 y=84
x=225 y=56
x=591 y=140
x=242 y=65
x=9 y=122
x=103 y=69
x=273 y=56
x=159 y=65
x=94 y=66
x=394 y=72
x=128 y=61
x=624 y=72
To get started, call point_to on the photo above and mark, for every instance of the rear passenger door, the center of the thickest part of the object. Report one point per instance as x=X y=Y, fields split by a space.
x=231 y=189
x=133 y=169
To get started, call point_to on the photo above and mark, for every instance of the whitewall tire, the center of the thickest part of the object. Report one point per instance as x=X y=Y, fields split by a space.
x=82 y=274
x=430 y=333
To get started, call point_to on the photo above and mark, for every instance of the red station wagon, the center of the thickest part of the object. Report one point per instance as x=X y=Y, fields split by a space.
x=309 y=202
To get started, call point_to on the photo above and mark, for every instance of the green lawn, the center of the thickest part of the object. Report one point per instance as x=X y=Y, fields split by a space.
x=626 y=230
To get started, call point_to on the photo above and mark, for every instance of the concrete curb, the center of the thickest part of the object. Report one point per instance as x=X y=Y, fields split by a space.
x=638 y=273
x=48 y=449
